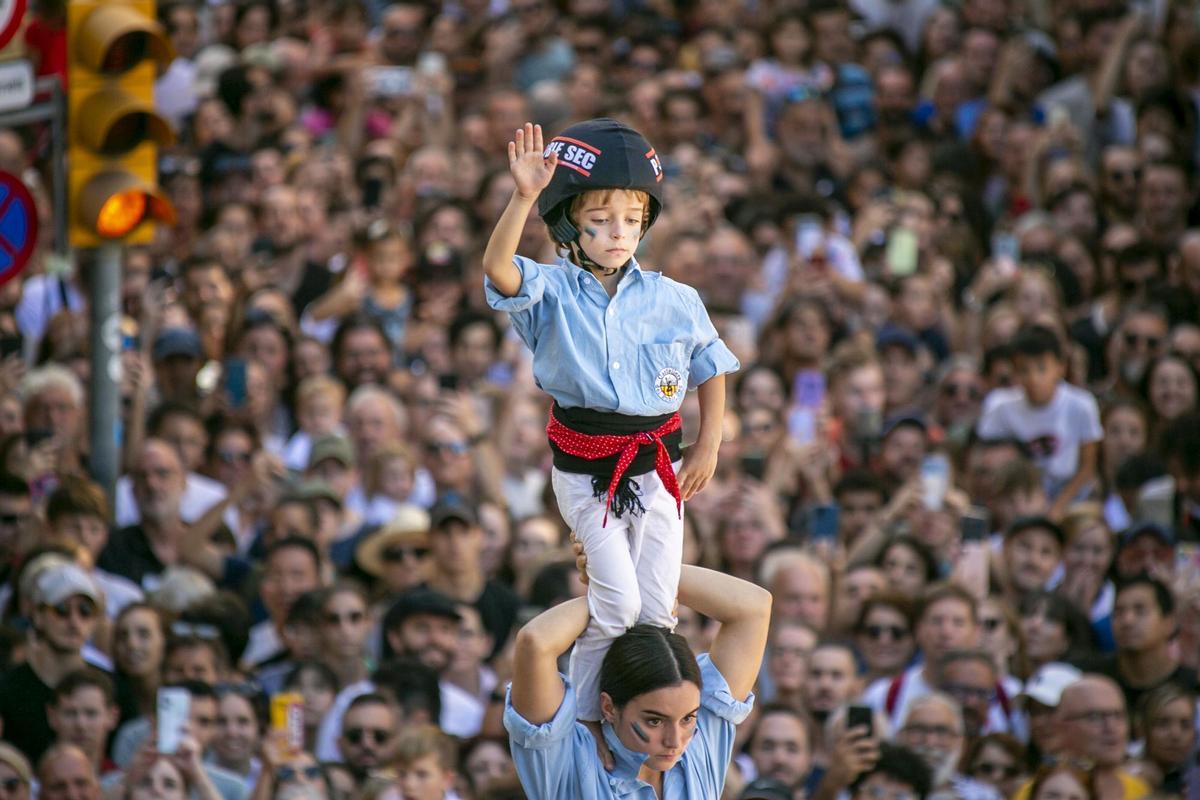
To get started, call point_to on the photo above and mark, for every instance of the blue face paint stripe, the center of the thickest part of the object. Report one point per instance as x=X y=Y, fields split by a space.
x=637 y=731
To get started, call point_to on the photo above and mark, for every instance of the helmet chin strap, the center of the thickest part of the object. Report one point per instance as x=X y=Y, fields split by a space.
x=585 y=261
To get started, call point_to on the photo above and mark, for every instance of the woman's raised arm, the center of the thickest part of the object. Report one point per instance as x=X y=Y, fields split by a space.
x=537 y=688
x=744 y=611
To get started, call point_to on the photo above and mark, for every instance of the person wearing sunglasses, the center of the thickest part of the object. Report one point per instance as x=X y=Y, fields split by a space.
x=396 y=554
x=995 y=759
x=67 y=606
x=368 y=735
x=344 y=627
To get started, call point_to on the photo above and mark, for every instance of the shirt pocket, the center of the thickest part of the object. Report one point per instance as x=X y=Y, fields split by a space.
x=663 y=375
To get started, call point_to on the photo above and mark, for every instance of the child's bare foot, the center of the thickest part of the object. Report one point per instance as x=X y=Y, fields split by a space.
x=606 y=756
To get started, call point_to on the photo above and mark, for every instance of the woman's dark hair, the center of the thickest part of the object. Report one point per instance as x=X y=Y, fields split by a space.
x=646 y=658
x=902 y=605
x=746 y=373
x=1081 y=638
x=1148 y=377
x=928 y=559
x=322 y=670
x=226 y=612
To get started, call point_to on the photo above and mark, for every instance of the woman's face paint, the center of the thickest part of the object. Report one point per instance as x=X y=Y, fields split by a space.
x=638 y=732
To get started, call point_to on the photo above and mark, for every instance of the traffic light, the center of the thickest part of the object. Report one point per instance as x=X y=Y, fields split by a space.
x=115 y=49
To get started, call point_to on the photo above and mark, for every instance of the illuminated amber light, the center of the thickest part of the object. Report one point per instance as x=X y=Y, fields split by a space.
x=121 y=213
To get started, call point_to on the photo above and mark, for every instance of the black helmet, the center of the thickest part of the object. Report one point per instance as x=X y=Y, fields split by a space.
x=598 y=154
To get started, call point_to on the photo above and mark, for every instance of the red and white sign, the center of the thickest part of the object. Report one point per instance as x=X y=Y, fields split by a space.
x=12 y=12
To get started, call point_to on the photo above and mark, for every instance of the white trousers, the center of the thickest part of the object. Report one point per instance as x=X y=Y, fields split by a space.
x=633 y=570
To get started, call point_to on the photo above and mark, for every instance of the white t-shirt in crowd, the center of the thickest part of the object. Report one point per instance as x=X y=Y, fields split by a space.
x=1053 y=432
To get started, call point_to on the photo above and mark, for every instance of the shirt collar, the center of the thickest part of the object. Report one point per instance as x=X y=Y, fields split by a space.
x=627 y=763
x=576 y=272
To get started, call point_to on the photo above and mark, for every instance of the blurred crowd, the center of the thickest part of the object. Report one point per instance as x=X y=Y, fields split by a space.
x=954 y=244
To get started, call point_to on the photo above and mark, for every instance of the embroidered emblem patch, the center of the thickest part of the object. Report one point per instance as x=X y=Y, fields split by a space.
x=668 y=383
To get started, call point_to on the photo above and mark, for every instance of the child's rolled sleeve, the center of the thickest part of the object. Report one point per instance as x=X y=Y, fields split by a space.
x=533 y=286
x=709 y=361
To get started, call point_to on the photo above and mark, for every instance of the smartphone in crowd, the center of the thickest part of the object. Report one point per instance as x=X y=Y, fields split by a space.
x=861 y=717
x=235 y=382
x=974 y=525
x=808 y=395
x=935 y=480
x=823 y=523
x=391 y=81
x=172 y=715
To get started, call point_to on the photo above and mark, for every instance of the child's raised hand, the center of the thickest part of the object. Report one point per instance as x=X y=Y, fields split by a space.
x=531 y=172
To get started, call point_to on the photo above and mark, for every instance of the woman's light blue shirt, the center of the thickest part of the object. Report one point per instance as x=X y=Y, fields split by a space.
x=635 y=353
x=558 y=759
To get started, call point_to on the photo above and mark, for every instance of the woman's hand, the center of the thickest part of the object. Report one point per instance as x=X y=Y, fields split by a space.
x=188 y=758
x=531 y=172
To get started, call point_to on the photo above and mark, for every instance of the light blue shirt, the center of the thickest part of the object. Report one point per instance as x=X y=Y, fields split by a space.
x=558 y=759
x=633 y=354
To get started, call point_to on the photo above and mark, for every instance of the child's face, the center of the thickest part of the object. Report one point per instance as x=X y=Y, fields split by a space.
x=1038 y=376
x=424 y=779
x=610 y=227
x=321 y=415
x=396 y=479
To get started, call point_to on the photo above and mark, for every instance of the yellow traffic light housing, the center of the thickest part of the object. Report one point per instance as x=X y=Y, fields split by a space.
x=116 y=49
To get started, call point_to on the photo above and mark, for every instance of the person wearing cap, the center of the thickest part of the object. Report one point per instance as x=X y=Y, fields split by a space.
x=456 y=543
x=900 y=354
x=1144 y=625
x=177 y=355
x=67 y=606
x=16 y=775
x=331 y=459
x=616 y=347
x=1032 y=554
x=1039 y=701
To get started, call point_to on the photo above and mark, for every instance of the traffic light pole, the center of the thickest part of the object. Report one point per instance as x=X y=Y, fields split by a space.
x=104 y=394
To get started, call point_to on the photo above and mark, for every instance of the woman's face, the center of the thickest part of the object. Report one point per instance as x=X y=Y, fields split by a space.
x=534 y=538
x=162 y=782
x=1171 y=734
x=138 y=646
x=1045 y=639
x=1091 y=550
x=309 y=358
x=1061 y=786
x=488 y=763
x=237 y=730
x=994 y=766
x=1034 y=296
x=1172 y=389
x=762 y=389
x=743 y=538
x=267 y=346
x=660 y=723
x=807 y=334
x=1124 y=436
x=790 y=42
x=318 y=697
x=904 y=570
x=886 y=641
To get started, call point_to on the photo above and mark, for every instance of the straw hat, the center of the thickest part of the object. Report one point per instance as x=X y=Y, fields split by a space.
x=409 y=526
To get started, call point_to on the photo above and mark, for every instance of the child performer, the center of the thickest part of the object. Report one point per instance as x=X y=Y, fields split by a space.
x=616 y=347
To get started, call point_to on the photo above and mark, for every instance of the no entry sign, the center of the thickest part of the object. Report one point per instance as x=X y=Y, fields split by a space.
x=18 y=226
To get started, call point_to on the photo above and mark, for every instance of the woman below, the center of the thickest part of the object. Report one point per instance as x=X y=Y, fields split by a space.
x=670 y=717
